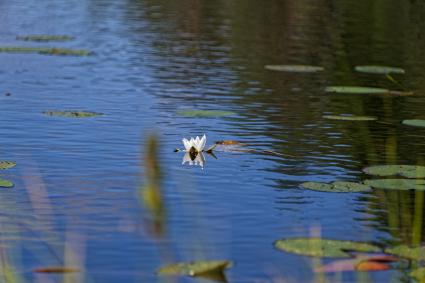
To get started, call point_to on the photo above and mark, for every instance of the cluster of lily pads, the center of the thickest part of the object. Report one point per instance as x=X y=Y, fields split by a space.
x=4 y=164
x=45 y=50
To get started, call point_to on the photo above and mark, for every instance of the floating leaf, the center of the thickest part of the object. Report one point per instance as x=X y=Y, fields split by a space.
x=56 y=269
x=404 y=251
x=322 y=247
x=72 y=114
x=372 y=266
x=204 y=113
x=45 y=50
x=211 y=269
x=6 y=183
x=349 y=118
x=360 y=263
x=396 y=184
x=4 y=164
x=365 y=90
x=418 y=274
x=380 y=70
x=294 y=68
x=44 y=37
x=408 y=171
x=336 y=187
x=414 y=122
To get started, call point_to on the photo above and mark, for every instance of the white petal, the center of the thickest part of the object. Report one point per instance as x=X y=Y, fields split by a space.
x=202 y=143
x=187 y=144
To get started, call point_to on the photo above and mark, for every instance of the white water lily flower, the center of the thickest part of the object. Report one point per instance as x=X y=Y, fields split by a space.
x=199 y=159
x=197 y=143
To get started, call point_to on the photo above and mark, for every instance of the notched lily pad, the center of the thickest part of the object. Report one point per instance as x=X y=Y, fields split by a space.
x=404 y=251
x=408 y=171
x=6 y=184
x=365 y=90
x=294 y=68
x=349 y=118
x=379 y=70
x=318 y=247
x=196 y=268
x=4 y=164
x=414 y=122
x=336 y=187
x=45 y=51
x=72 y=114
x=204 y=113
x=45 y=37
x=396 y=184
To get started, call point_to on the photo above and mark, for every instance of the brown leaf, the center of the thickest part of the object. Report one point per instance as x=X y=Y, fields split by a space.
x=56 y=269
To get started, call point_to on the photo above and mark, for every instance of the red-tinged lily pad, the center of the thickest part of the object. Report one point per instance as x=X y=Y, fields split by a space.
x=56 y=269
x=362 y=262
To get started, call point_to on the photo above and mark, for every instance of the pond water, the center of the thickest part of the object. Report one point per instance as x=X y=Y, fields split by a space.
x=77 y=181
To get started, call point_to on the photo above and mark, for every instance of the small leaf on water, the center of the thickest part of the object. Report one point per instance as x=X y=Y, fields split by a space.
x=6 y=184
x=56 y=269
x=4 y=164
x=44 y=37
x=408 y=171
x=322 y=247
x=229 y=143
x=336 y=187
x=404 y=251
x=349 y=118
x=414 y=122
x=45 y=50
x=418 y=274
x=356 y=90
x=380 y=70
x=363 y=262
x=396 y=184
x=204 y=113
x=294 y=68
x=72 y=114
x=196 y=268
x=372 y=266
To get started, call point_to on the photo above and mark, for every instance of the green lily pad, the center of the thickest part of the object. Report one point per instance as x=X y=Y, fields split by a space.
x=44 y=37
x=418 y=274
x=6 y=183
x=45 y=50
x=294 y=68
x=408 y=171
x=336 y=187
x=414 y=122
x=396 y=184
x=4 y=164
x=349 y=118
x=379 y=70
x=404 y=251
x=317 y=247
x=72 y=114
x=195 y=268
x=204 y=113
x=365 y=90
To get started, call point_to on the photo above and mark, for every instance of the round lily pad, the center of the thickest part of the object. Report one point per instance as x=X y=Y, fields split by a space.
x=396 y=184
x=72 y=114
x=380 y=70
x=195 y=268
x=408 y=171
x=318 y=247
x=44 y=37
x=404 y=251
x=294 y=68
x=6 y=183
x=4 y=164
x=204 y=113
x=336 y=187
x=414 y=122
x=349 y=118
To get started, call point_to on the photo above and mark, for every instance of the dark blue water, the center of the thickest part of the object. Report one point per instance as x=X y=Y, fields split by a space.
x=77 y=180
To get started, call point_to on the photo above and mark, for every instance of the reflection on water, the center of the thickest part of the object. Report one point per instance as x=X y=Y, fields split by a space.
x=154 y=57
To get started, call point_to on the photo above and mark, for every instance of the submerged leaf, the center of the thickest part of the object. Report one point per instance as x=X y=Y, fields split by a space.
x=396 y=184
x=365 y=90
x=196 y=268
x=6 y=183
x=408 y=171
x=4 y=164
x=294 y=68
x=322 y=247
x=72 y=114
x=56 y=269
x=45 y=37
x=204 y=113
x=404 y=251
x=336 y=187
x=349 y=118
x=380 y=70
x=414 y=122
